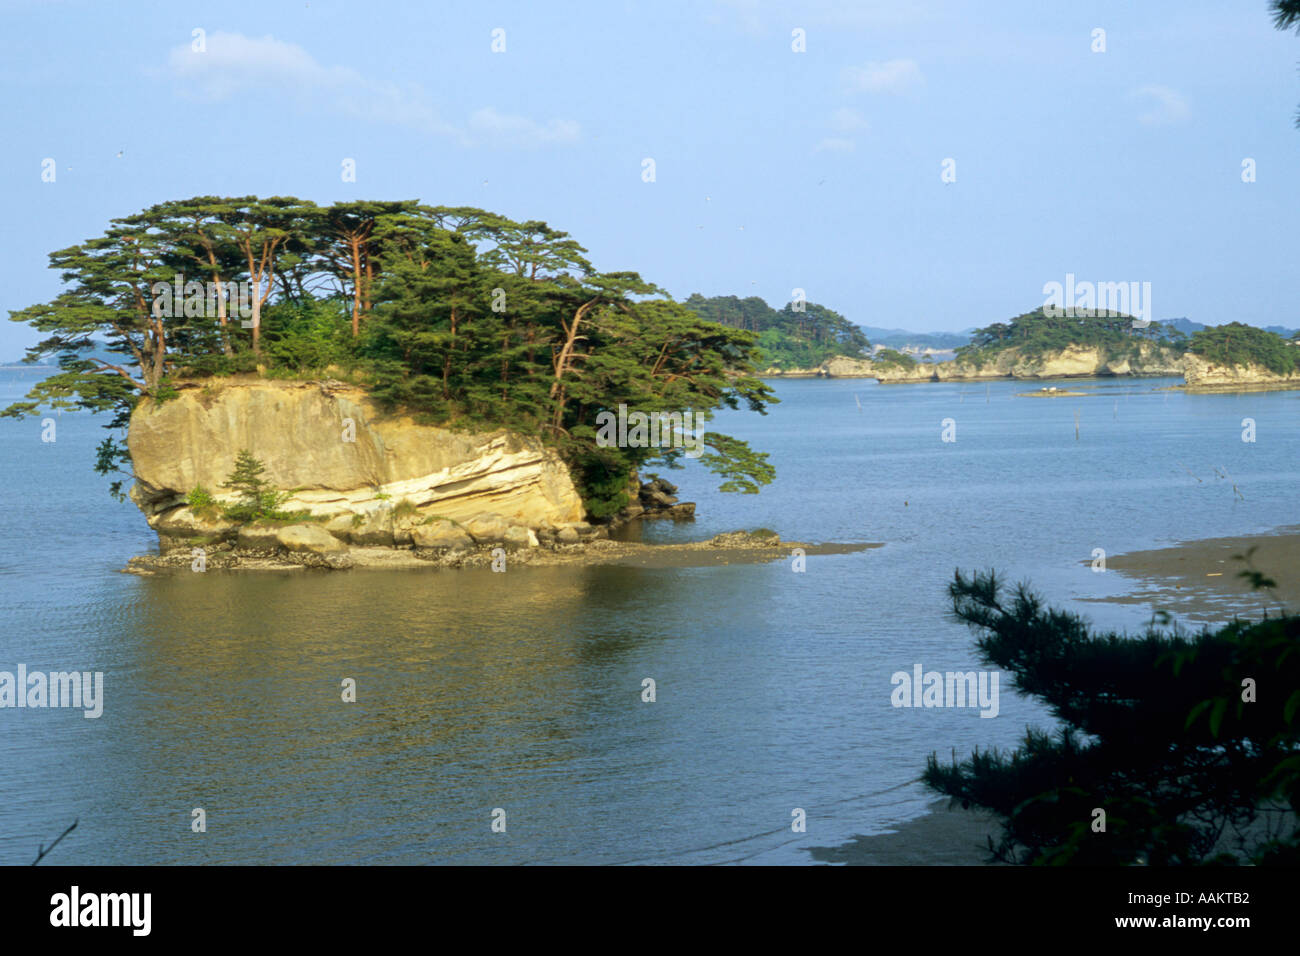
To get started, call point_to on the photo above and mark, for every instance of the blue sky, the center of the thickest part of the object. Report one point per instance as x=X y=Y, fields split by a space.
x=774 y=170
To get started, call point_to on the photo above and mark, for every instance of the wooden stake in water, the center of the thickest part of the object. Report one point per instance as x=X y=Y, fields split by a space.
x=1076 y=424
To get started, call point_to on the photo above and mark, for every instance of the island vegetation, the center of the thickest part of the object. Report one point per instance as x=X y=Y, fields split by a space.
x=1035 y=334
x=458 y=316
x=800 y=335
x=890 y=357
x=1239 y=344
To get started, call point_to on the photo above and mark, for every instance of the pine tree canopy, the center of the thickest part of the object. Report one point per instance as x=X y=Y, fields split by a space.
x=458 y=316
x=1186 y=748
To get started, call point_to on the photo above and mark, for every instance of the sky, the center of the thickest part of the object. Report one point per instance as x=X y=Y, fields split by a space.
x=774 y=168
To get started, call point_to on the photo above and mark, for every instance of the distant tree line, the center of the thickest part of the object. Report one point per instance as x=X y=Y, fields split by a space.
x=1239 y=344
x=896 y=358
x=1035 y=333
x=801 y=335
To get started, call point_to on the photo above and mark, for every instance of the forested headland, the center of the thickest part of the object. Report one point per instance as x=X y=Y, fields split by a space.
x=800 y=335
x=1240 y=344
x=1035 y=334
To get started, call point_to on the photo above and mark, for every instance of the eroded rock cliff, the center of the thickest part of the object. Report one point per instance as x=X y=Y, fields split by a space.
x=373 y=478
x=1202 y=374
x=1071 y=362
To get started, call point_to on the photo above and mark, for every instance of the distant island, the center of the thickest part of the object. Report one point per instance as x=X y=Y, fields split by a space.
x=801 y=335
x=1037 y=346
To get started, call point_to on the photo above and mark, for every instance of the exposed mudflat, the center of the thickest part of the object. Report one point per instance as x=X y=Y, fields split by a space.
x=1203 y=577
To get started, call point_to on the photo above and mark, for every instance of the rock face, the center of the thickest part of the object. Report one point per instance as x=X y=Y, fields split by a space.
x=1072 y=362
x=844 y=367
x=658 y=499
x=373 y=478
x=818 y=372
x=442 y=533
x=1200 y=373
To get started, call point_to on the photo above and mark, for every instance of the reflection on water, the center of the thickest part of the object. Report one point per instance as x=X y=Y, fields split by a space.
x=523 y=690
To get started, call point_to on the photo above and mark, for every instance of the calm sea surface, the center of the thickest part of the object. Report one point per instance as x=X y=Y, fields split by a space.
x=522 y=691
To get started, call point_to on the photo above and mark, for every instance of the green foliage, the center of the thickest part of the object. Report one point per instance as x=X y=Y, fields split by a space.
x=1239 y=344
x=259 y=499
x=891 y=357
x=1155 y=730
x=456 y=316
x=1286 y=14
x=405 y=509
x=109 y=457
x=1035 y=333
x=201 y=501
x=601 y=476
x=219 y=365
x=789 y=338
x=743 y=468
x=307 y=335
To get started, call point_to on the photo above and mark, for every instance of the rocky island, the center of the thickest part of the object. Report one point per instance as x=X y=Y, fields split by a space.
x=1072 y=361
x=1034 y=346
x=393 y=384
x=367 y=488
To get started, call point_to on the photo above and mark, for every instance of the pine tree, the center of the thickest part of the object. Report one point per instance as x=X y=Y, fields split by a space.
x=1161 y=732
x=258 y=498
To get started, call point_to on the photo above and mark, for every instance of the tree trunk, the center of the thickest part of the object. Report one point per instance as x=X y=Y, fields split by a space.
x=355 y=243
x=221 y=304
x=370 y=279
x=565 y=358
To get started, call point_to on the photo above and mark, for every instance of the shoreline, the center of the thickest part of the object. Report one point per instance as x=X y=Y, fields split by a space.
x=1200 y=577
x=944 y=836
x=1196 y=577
x=1207 y=389
x=737 y=547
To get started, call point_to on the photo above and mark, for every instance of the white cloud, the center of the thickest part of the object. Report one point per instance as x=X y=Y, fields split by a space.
x=519 y=130
x=847 y=120
x=891 y=76
x=1166 y=105
x=263 y=68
